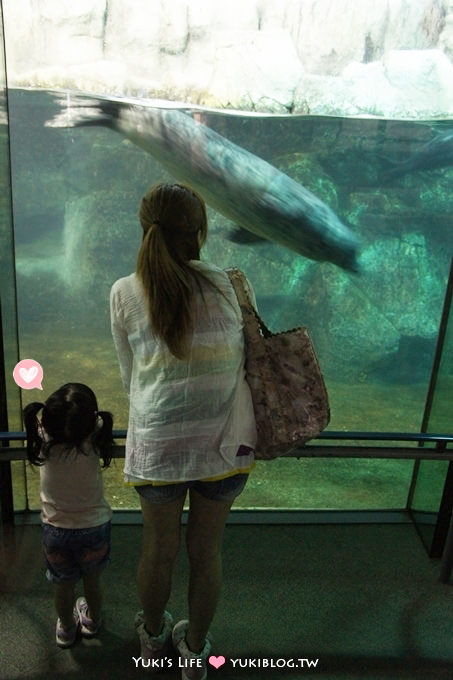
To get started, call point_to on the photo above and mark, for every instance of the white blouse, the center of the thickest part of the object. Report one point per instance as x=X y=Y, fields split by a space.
x=188 y=419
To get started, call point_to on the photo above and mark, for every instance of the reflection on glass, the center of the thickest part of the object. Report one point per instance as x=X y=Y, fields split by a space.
x=431 y=474
x=7 y=285
x=441 y=413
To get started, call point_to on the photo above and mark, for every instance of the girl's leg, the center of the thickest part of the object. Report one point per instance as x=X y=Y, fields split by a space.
x=161 y=535
x=93 y=594
x=64 y=603
x=205 y=527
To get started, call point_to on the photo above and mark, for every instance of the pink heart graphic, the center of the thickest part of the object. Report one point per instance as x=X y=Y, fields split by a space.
x=216 y=661
x=28 y=374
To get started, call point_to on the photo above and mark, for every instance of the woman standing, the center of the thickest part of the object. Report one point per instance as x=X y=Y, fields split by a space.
x=177 y=328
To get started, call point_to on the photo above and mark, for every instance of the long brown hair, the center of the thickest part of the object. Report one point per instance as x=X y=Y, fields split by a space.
x=174 y=223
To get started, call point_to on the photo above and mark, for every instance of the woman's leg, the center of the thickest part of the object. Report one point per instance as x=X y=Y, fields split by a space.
x=205 y=527
x=161 y=535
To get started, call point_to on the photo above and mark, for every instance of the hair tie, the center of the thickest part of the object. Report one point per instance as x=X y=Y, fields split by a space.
x=166 y=228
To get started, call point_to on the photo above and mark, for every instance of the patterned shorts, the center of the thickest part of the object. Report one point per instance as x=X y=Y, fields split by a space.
x=69 y=554
x=222 y=490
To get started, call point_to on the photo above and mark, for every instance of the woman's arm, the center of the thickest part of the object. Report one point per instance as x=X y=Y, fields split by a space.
x=120 y=338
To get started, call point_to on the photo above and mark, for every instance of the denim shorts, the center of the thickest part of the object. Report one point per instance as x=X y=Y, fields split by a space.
x=69 y=554
x=222 y=490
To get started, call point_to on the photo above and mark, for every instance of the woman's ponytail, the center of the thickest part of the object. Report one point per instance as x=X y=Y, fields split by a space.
x=174 y=223
x=167 y=282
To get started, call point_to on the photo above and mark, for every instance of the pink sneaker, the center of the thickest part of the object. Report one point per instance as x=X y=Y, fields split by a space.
x=194 y=666
x=65 y=637
x=88 y=627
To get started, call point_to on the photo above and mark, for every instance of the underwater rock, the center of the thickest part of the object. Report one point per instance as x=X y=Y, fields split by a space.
x=306 y=169
x=399 y=294
x=380 y=213
x=430 y=194
x=347 y=328
x=407 y=282
x=98 y=246
x=410 y=363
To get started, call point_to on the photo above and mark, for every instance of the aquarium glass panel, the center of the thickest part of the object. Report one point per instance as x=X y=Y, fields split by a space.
x=78 y=182
x=76 y=199
x=7 y=280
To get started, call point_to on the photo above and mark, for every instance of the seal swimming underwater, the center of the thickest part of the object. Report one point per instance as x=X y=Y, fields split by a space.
x=241 y=186
x=437 y=153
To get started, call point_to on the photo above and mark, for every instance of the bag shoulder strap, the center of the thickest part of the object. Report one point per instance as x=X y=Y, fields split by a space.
x=237 y=279
x=251 y=318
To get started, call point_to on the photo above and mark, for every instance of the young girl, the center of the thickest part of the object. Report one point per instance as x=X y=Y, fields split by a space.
x=66 y=440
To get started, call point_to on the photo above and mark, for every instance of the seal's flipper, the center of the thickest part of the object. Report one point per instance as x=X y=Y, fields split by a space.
x=240 y=235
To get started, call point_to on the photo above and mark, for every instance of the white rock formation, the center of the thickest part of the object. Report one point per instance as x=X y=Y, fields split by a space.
x=412 y=84
x=340 y=57
x=446 y=36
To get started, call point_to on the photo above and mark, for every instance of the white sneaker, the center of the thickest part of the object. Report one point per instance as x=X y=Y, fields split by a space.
x=154 y=650
x=194 y=666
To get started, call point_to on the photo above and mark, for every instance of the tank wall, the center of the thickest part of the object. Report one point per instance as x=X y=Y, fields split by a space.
x=333 y=57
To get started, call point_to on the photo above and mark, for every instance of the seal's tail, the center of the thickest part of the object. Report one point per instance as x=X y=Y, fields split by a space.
x=76 y=110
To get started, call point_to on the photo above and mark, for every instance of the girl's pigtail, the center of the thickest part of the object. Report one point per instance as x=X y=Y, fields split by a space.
x=34 y=439
x=103 y=438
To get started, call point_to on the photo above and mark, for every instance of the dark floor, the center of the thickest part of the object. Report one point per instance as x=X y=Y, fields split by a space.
x=357 y=601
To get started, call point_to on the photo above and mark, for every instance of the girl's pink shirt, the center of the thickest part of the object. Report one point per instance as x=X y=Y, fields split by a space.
x=72 y=490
